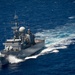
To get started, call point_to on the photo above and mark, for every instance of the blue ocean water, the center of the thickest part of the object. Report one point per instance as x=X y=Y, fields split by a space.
x=53 y=20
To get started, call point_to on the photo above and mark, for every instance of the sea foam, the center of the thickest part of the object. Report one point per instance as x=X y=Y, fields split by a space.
x=55 y=39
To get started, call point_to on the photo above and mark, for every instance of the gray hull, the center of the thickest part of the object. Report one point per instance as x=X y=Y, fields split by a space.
x=22 y=53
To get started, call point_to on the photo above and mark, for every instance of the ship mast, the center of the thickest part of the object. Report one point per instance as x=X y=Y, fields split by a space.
x=16 y=20
x=15 y=28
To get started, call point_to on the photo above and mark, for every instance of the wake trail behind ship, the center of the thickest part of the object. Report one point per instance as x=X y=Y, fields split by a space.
x=55 y=39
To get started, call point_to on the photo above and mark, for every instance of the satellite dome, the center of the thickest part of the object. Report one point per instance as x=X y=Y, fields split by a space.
x=21 y=29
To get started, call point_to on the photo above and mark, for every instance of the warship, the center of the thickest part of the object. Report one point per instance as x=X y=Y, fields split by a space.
x=21 y=45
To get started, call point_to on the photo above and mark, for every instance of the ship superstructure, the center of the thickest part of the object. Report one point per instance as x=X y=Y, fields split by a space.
x=18 y=40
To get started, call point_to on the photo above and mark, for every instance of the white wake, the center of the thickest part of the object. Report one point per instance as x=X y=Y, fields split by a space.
x=13 y=59
x=55 y=39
